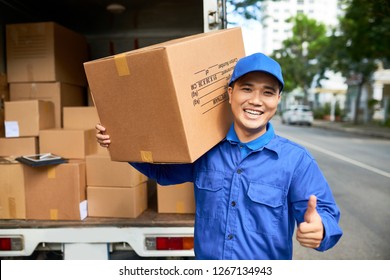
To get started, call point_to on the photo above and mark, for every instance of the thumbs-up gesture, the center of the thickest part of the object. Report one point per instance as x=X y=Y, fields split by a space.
x=310 y=233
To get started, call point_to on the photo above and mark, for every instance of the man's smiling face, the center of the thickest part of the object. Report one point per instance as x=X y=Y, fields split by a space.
x=254 y=99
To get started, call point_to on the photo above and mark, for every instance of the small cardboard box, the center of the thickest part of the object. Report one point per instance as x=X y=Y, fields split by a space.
x=68 y=143
x=27 y=118
x=102 y=171
x=12 y=192
x=166 y=102
x=56 y=192
x=18 y=146
x=80 y=117
x=117 y=202
x=60 y=94
x=176 y=198
x=45 y=52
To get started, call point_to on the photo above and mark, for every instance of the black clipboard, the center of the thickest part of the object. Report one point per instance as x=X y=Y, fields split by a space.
x=41 y=159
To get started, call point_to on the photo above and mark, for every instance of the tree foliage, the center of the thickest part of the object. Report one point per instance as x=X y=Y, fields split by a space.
x=360 y=43
x=300 y=53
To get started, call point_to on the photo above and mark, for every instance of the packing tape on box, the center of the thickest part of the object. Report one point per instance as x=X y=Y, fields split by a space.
x=53 y=214
x=51 y=172
x=12 y=207
x=146 y=156
x=180 y=207
x=121 y=65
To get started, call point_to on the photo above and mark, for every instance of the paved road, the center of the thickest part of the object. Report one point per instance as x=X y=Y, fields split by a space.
x=358 y=170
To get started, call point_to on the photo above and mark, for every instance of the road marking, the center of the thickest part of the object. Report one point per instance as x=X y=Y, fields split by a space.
x=340 y=157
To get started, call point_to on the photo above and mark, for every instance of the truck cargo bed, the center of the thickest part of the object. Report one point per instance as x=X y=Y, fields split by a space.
x=150 y=218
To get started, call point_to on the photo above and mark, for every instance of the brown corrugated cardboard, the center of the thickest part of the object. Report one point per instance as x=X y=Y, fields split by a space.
x=56 y=192
x=117 y=202
x=45 y=52
x=102 y=171
x=60 y=94
x=12 y=192
x=18 y=146
x=176 y=198
x=167 y=102
x=85 y=117
x=68 y=143
x=26 y=118
x=4 y=88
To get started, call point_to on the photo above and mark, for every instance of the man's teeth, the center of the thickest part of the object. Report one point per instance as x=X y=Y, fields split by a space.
x=253 y=112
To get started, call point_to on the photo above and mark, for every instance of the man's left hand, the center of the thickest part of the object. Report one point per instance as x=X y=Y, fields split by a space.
x=311 y=232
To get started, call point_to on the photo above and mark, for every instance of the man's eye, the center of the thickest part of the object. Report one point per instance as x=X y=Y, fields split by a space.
x=269 y=93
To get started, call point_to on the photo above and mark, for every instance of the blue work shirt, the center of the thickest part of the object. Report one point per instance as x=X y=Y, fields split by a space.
x=248 y=202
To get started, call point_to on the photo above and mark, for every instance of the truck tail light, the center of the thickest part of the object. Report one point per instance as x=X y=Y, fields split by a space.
x=169 y=243
x=11 y=243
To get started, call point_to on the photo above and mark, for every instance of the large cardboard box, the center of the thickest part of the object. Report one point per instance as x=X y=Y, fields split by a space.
x=45 y=52
x=167 y=102
x=12 y=192
x=102 y=171
x=117 y=202
x=56 y=192
x=176 y=198
x=60 y=94
x=27 y=118
x=68 y=143
x=18 y=146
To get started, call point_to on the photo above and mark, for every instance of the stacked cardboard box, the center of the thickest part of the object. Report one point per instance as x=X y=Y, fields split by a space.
x=12 y=190
x=44 y=74
x=23 y=121
x=114 y=189
x=45 y=62
x=176 y=198
x=45 y=52
x=61 y=94
x=56 y=192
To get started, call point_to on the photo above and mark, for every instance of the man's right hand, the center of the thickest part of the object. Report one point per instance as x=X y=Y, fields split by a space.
x=102 y=138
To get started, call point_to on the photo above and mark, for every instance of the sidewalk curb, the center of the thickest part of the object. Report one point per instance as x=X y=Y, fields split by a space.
x=378 y=133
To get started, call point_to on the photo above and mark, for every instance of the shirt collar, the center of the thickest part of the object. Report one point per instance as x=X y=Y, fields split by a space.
x=255 y=144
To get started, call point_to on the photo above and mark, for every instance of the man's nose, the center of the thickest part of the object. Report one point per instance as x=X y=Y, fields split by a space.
x=256 y=98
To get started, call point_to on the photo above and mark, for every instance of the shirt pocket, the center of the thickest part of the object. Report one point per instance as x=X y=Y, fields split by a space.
x=264 y=208
x=208 y=193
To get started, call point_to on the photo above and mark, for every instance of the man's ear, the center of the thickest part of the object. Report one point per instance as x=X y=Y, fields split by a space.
x=230 y=91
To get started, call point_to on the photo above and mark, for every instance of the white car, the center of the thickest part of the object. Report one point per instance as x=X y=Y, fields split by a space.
x=299 y=114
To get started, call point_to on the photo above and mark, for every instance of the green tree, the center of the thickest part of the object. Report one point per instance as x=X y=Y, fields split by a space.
x=299 y=54
x=361 y=41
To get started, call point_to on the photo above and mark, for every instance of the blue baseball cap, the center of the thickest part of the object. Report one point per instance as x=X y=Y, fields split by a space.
x=257 y=62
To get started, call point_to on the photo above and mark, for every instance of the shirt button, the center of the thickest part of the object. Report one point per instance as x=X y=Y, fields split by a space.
x=233 y=203
x=239 y=171
x=230 y=236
